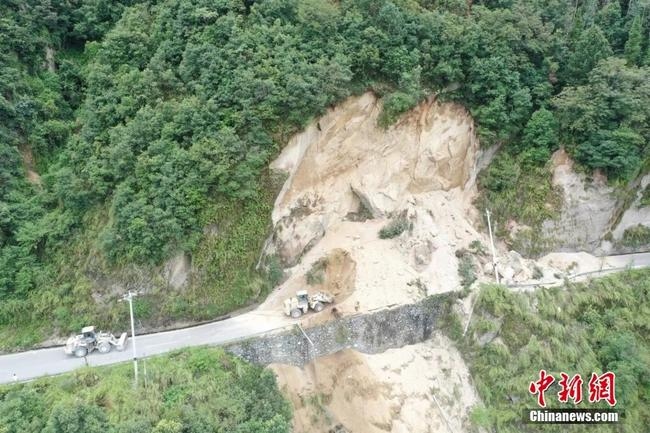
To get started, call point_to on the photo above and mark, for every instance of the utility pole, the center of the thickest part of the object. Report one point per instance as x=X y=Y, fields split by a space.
x=305 y=334
x=494 y=269
x=129 y=297
x=494 y=256
x=144 y=365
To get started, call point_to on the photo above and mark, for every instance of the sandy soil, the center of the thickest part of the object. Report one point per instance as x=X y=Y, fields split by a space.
x=389 y=392
x=588 y=208
x=347 y=179
x=344 y=166
x=574 y=263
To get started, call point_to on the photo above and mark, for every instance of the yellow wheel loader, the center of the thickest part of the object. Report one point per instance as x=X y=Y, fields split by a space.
x=89 y=340
x=303 y=301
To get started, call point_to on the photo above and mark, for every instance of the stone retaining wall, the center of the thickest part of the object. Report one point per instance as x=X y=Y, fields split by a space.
x=367 y=333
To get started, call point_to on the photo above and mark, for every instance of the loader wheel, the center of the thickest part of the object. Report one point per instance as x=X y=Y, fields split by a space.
x=80 y=352
x=296 y=312
x=318 y=306
x=104 y=347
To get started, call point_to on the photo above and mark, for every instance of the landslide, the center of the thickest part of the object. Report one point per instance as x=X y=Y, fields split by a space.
x=347 y=178
x=423 y=387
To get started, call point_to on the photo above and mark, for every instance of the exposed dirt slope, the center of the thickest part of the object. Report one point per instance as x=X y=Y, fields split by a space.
x=389 y=392
x=588 y=208
x=347 y=178
x=28 y=162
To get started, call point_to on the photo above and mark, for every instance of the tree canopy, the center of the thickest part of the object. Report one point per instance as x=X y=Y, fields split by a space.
x=196 y=391
x=123 y=127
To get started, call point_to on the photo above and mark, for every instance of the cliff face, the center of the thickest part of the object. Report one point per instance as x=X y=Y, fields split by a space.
x=345 y=161
x=595 y=214
x=588 y=208
x=347 y=178
x=637 y=213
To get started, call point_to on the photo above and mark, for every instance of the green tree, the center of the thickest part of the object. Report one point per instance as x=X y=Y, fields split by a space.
x=634 y=44
x=605 y=122
x=21 y=411
x=541 y=136
x=590 y=47
x=611 y=21
x=75 y=417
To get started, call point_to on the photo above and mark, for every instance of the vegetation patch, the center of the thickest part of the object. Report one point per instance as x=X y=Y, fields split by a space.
x=636 y=236
x=466 y=268
x=645 y=197
x=395 y=227
x=515 y=190
x=476 y=247
x=193 y=391
x=582 y=328
x=316 y=274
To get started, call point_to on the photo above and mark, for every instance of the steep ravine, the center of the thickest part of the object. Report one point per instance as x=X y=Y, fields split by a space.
x=346 y=180
x=389 y=371
x=369 y=368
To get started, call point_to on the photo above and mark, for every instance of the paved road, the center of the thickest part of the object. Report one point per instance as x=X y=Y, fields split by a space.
x=637 y=260
x=44 y=362
x=609 y=264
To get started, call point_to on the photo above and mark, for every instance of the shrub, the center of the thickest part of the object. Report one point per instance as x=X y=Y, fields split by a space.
x=316 y=273
x=466 y=268
x=645 y=197
x=512 y=191
x=636 y=236
x=477 y=247
x=274 y=271
x=395 y=228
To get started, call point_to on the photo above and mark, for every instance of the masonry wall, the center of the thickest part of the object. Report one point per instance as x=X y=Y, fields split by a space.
x=367 y=333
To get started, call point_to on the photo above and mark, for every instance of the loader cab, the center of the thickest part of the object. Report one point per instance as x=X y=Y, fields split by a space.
x=88 y=333
x=302 y=296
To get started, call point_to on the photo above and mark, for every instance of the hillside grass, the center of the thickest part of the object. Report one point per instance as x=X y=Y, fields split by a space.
x=515 y=189
x=81 y=287
x=193 y=391
x=150 y=118
x=602 y=325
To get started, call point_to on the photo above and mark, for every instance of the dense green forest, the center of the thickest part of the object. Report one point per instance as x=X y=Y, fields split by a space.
x=600 y=326
x=126 y=127
x=196 y=391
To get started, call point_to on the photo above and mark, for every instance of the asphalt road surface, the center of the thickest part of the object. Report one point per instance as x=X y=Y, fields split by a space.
x=610 y=264
x=44 y=362
x=637 y=260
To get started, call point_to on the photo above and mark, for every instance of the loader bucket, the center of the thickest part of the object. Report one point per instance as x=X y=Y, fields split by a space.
x=121 y=343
